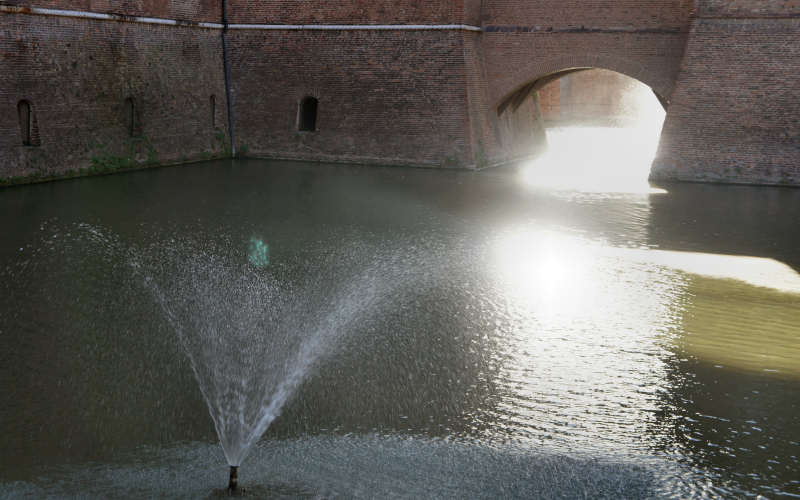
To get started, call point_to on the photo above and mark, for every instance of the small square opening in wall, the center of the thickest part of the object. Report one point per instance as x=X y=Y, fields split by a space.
x=307 y=119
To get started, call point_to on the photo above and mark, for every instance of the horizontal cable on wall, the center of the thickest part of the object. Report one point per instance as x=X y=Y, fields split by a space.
x=352 y=27
x=11 y=9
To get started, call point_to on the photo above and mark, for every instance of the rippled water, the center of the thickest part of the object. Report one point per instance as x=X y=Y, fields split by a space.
x=546 y=341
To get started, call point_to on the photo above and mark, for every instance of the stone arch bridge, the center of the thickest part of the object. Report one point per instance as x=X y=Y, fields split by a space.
x=394 y=81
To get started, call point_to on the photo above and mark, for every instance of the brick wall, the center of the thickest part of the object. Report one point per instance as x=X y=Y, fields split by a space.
x=514 y=59
x=595 y=97
x=403 y=97
x=521 y=130
x=186 y=10
x=482 y=120
x=77 y=75
x=748 y=8
x=550 y=101
x=384 y=96
x=638 y=14
x=735 y=113
x=346 y=12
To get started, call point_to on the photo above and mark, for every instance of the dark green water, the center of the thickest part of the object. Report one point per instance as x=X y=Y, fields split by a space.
x=537 y=343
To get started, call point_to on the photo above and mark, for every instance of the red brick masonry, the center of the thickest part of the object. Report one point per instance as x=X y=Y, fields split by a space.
x=448 y=97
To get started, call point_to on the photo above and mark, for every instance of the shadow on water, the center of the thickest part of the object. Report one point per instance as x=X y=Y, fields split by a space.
x=88 y=366
x=738 y=220
x=723 y=420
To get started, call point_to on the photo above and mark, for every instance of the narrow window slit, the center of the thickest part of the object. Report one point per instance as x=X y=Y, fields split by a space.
x=213 y=102
x=27 y=123
x=130 y=116
x=308 y=114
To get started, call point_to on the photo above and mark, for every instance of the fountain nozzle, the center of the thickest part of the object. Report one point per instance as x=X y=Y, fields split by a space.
x=233 y=483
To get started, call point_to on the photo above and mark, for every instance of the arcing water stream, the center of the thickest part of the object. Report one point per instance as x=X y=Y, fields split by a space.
x=253 y=335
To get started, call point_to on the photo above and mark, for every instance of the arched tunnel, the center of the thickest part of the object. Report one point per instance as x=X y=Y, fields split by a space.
x=585 y=122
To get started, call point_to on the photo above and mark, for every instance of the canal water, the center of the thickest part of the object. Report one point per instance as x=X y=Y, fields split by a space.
x=525 y=338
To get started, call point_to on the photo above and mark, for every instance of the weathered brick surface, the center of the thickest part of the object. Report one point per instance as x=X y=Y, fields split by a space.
x=482 y=119
x=595 y=96
x=550 y=101
x=637 y=14
x=407 y=97
x=735 y=114
x=349 y=12
x=521 y=130
x=185 y=10
x=514 y=59
x=77 y=75
x=748 y=8
x=386 y=97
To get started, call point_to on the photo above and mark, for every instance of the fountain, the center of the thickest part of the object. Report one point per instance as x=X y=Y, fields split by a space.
x=233 y=482
x=252 y=330
x=421 y=335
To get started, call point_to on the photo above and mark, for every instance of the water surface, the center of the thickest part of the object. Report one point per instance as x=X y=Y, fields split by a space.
x=539 y=339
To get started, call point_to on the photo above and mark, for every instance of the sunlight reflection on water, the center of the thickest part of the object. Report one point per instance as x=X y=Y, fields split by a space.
x=724 y=306
x=532 y=340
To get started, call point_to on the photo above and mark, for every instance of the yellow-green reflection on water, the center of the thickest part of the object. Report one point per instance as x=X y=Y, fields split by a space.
x=739 y=326
x=736 y=312
x=549 y=323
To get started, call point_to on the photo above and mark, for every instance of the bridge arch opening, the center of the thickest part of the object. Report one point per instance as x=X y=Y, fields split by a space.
x=585 y=128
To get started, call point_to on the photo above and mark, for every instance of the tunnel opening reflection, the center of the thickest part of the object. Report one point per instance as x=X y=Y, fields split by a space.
x=602 y=132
